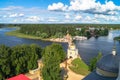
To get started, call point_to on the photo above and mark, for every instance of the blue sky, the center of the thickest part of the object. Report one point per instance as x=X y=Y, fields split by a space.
x=60 y=11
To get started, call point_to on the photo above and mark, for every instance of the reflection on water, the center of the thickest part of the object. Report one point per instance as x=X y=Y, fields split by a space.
x=91 y=47
x=87 y=48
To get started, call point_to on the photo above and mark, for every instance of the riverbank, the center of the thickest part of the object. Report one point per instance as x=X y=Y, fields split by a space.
x=21 y=35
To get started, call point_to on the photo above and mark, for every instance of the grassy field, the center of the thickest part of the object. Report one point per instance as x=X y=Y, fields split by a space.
x=21 y=35
x=79 y=67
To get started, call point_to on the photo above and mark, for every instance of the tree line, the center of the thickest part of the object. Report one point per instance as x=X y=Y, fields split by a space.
x=59 y=31
x=46 y=31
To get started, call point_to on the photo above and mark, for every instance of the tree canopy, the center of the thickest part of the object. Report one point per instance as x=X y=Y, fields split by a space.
x=52 y=56
x=18 y=59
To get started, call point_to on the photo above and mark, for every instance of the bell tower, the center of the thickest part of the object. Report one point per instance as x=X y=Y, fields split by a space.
x=114 y=49
x=72 y=51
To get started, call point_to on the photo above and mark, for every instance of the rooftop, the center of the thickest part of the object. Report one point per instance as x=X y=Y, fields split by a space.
x=109 y=63
x=94 y=76
x=19 y=77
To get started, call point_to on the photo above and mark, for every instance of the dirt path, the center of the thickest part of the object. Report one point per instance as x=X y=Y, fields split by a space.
x=71 y=74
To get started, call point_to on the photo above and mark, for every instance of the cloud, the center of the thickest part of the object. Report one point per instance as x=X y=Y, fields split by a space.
x=13 y=15
x=78 y=17
x=52 y=19
x=21 y=14
x=87 y=6
x=93 y=7
x=106 y=17
x=33 y=19
x=11 y=8
x=57 y=7
x=16 y=15
x=88 y=18
x=67 y=16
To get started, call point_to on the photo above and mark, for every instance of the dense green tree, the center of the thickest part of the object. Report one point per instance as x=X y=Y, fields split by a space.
x=18 y=59
x=93 y=62
x=52 y=56
x=43 y=35
x=5 y=70
x=59 y=35
x=25 y=57
x=59 y=30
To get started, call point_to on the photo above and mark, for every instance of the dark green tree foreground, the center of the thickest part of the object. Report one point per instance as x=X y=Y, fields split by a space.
x=93 y=62
x=52 y=56
x=18 y=59
x=5 y=62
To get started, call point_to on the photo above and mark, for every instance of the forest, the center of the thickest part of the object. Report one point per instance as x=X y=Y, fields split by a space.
x=18 y=59
x=60 y=30
x=22 y=58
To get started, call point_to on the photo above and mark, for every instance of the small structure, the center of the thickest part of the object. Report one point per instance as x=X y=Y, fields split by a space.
x=19 y=77
x=36 y=73
x=72 y=51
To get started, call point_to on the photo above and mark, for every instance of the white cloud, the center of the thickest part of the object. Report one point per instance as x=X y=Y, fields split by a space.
x=77 y=5
x=57 y=7
x=91 y=6
x=21 y=14
x=11 y=8
x=67 y=16
x=88 y=18
x=106 y=17
x=52 y=19
x=87 y=6
x=13 y=15
x=33 y=19
x=78 y=17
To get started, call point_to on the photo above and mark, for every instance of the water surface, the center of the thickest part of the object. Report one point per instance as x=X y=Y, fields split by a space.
x=87 y=48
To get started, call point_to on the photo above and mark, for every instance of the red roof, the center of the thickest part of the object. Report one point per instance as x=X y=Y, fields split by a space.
x=19 y=77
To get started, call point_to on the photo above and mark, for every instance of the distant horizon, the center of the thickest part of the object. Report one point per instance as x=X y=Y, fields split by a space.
x=60 y=11
x=64 y=23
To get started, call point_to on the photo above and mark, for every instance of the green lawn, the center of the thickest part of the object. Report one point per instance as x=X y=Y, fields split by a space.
x=21 y=35
x=79 y=67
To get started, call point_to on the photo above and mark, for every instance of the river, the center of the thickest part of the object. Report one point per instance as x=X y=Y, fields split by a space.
x=87 y=48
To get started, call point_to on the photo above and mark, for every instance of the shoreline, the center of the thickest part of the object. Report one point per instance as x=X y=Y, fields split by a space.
x=21 y=35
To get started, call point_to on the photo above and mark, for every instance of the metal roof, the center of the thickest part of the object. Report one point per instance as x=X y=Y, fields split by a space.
x=94 y=76
x=109 y=63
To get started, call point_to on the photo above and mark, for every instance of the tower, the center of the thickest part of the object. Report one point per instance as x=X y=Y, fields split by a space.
x=72 y=51
x=114 y=49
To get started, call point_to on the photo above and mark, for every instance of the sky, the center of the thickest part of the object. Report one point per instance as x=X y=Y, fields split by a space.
x=60 y=11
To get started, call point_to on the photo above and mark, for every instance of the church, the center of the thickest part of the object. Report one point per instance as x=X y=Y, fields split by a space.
x=108 y=68
x=72 y=51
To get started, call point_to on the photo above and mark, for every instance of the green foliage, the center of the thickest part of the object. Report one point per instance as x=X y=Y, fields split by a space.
x=79 y=67
x=93 y=62
x=43 y=35
x=52 y=30
x=59 y=35
x=52 y=56
x=117 y=38
x=18 y=59
x=5 y=52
